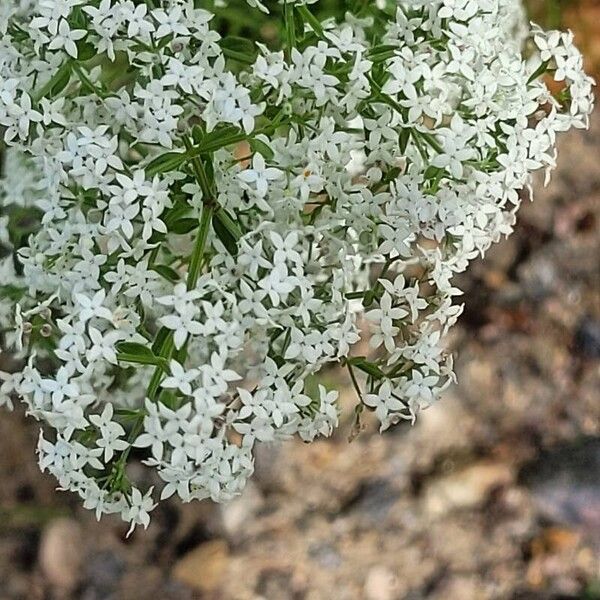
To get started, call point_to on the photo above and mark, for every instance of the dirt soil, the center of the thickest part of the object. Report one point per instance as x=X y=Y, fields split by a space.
x=494 y=494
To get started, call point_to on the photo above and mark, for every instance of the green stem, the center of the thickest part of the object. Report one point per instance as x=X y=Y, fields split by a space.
x=41 y=93
x=142 y=360
x=290 y=27
x=227 y=222
x=198 y=254
x=311 y=20
x=354 y=382
x=356 y=295
x=166 y=353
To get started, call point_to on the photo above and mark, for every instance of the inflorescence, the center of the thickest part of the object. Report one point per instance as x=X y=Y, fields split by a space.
x=194 y=225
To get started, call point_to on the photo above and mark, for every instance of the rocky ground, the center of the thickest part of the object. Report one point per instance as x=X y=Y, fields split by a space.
x=494 y=494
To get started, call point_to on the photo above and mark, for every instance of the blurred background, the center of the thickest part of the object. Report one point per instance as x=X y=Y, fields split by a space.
x=493 y=494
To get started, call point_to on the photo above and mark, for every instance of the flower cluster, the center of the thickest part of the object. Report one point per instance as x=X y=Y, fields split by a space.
x=193 y=226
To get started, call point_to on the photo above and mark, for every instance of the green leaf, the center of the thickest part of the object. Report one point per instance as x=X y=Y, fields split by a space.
x=392 y=174
x=262 y=148
x=165 y=163
x=237 y=48
x=198 y=134
x=183 y=226
x=239 y=44
x=225 y=235
x=310 y=20
x=22 y=222
x=200 y=247
x=128 y=413
x=61 y=82
x=168 y=398
x=135 y=349
x=85 y=51
x=55 y=85
x=160 y=341
x=382 y=49
x=404 y=139
x=360 y=362
x=539 y=71
x=12 y=292
x=217 y=139
x=175 y=214
x=167 y=272
x=229 y=223
x=137 y=353
x=289 y=16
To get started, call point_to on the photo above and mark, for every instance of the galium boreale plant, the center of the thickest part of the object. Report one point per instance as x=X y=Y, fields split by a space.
x=194 y=225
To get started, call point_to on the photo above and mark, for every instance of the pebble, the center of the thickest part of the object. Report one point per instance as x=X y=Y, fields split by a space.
x=102 y=574
x=62 y=554
x=239 y=511
x=565 y=485
x=381 y=584
x=204 y=568
x=465 y=488
x=587 y=338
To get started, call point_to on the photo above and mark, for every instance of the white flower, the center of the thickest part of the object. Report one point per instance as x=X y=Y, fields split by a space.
x=110 y=433
x=278 y=284
x=258 y=177
x=60 y=387
x=183 y=324
x=384 y=317
x=90 y=307
x=8 y=387
x=181 y=297
x=170 y=22
x=18 y=118
x=251 y=258
x=66 y=38
x=420 y=390
x=285 y=249
x=385 y=401
x=103 y=345
x=138 y=23
x=215 y=377
x=180 y=379
x=397 y=239
x=137 y=513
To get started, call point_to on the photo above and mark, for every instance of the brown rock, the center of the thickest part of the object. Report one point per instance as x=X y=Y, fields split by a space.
x=381 y=584
x=241 y=510
x=465 y=488
x=205 y=567
x=463 y=587
x=555 y=540
x=62 y=554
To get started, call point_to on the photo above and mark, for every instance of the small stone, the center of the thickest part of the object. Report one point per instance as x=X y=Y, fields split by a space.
x=554 y=540
x=374 y=500
x=149 y=582
x=326 y=555
x=432 y=437
x=240 y=510
x=587 y=338
x=276 y=583
x=502 y=256
x=204 y=568
x=381 y=584
x=268 y=472
x=564 y=485
x=465 y=488
x=102 y=575
x=62 y=554
x=539 y=276
x=463 y=587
